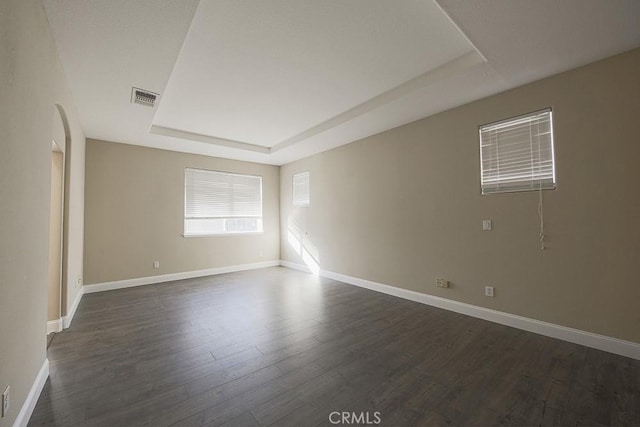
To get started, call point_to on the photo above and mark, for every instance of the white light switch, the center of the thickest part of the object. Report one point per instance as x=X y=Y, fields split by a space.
x=486 y=224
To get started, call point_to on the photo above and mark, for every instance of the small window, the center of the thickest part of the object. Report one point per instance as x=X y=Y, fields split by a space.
x=517 y=154
x=221 y=203
x=301 y=194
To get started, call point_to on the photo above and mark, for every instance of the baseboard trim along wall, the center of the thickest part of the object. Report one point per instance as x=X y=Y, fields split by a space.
x=576 y=336
x=32 y=398
x=141 y=281
x=66 y=320
x=54 y=326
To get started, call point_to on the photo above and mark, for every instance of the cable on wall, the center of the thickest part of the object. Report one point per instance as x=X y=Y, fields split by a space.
x=541 y=215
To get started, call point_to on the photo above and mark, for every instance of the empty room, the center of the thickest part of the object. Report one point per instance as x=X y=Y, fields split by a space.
x=320 y=212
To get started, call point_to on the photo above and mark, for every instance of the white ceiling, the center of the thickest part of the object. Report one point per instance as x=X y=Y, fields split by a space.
x=274 y=81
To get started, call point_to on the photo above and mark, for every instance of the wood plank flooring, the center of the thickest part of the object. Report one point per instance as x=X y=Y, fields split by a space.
x=280 y=347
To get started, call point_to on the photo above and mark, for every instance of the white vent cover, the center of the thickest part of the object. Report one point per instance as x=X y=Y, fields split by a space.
x=143 y=97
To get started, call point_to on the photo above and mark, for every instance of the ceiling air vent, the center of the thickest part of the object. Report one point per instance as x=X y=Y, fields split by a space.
x=143 y=97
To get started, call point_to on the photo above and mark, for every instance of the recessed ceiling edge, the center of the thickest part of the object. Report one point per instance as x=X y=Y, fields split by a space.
x=192 y=136
x=430 y=77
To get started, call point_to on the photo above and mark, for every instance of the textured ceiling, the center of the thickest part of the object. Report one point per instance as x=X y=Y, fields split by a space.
x=277 y=80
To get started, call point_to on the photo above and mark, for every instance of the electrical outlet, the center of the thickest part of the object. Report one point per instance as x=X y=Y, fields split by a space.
x=442 y=283
x=489 y=291
x=5 y=401
x=79 y=281
x=487 y=225
x=156 y=264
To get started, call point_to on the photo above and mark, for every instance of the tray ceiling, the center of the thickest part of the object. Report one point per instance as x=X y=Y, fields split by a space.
x=274 y=81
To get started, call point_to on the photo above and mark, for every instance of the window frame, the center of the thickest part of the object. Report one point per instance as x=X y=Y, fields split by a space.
x=210 y=234
x=293 y=190
x=513 y=188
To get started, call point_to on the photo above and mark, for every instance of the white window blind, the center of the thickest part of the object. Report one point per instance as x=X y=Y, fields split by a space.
x=517 y=154
x=301 y=193
x=221 y=203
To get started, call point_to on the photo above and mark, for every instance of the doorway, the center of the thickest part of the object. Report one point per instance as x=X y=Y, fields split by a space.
x=54 y=304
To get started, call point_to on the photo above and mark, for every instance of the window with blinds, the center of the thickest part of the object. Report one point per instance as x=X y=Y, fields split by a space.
x=301 y=193
x=221 y=203
x=517 y=154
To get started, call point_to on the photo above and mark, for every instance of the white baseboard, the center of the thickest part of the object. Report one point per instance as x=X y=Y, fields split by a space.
x=54 y=326
x=66 y=320
x=140 y=281
x=576 y=336
x=32 y=398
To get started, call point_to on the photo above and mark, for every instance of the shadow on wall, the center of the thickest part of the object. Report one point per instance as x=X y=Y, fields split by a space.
x=303 y=246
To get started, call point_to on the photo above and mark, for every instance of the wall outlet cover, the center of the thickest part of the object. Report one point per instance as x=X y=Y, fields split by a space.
x=442 y=283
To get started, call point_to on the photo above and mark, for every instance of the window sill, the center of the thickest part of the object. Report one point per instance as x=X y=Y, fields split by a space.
x=246 y=233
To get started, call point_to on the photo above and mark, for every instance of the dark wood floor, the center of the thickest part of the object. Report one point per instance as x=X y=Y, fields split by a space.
x=276 y=346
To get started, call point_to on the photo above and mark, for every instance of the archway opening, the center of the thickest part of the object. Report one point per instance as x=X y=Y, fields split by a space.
x=55 y=287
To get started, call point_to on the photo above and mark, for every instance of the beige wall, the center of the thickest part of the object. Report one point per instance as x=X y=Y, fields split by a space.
x=32 y=82
x=404 y=206
x=135 y=215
